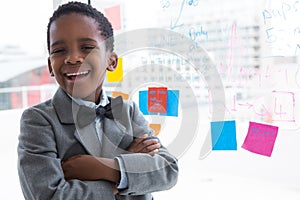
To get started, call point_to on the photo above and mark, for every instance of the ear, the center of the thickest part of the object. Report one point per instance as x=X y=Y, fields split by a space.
x=112 y=62
x=50 y=68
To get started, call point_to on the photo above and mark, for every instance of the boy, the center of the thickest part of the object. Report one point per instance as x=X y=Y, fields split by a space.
x=65 y=151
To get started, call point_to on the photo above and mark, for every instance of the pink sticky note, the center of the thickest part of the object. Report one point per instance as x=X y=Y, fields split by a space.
x=260 y=138
x=114 y=16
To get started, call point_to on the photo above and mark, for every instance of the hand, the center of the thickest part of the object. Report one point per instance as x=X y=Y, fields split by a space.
x=89 y=168
x=144 y=144
x=115 y=189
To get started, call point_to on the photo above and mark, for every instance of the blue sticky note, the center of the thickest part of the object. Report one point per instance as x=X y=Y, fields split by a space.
x=223 y=135
x=143 y=100
x=172 y=103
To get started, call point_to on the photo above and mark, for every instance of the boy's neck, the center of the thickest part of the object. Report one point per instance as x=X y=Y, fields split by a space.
x=95 y=102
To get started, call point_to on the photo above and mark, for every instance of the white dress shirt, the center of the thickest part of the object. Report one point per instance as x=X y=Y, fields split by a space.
x=98 y=126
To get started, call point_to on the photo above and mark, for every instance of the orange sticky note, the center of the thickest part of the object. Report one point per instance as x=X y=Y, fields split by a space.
x=123 y=95
x=113 y=15
x=156 y=128
x=157 y=99
x=117 y=75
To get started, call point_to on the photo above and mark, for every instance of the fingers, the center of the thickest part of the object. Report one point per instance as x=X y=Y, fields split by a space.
x=135 y=146
x=153 y=152
x=66 y=169
x=145 y=144
x=150 y=145
x=115 y=190
x=140 y=139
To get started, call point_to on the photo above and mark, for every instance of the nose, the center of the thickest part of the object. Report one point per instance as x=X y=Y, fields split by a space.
x=74 y=57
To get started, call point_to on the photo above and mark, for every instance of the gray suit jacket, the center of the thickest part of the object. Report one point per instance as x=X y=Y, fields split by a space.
x=49 y=135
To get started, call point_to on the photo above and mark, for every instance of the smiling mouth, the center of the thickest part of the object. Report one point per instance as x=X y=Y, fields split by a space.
x=75 y=75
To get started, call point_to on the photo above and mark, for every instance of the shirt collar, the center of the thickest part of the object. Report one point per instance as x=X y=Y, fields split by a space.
x=103 y=101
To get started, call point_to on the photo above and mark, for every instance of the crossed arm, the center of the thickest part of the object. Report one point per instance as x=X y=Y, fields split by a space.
x=88 y=168
x=42 y=175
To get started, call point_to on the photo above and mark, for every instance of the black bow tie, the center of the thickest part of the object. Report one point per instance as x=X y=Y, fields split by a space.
x=87 y=115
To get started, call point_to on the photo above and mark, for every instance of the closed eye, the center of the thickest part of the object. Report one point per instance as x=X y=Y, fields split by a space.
x=56 y=51
x=88 y=48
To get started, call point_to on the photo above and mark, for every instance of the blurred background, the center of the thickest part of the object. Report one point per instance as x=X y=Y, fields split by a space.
x=254 y=45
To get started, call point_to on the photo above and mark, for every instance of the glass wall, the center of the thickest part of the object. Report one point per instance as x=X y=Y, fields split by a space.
x=251 y=46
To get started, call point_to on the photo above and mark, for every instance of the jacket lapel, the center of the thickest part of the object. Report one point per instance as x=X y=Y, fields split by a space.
x=116 y=136
x=87 y=136
x=62 y=104
x=67 y=111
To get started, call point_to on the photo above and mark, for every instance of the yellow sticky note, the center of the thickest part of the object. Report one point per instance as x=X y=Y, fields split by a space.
x=117 y=75
x=156 y=128
x=123 y=95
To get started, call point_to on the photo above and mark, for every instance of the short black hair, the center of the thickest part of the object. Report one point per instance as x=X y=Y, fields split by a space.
x=104 y=25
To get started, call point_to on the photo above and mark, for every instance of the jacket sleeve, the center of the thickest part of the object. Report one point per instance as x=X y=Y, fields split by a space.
x=147 y=173
x=39 y=165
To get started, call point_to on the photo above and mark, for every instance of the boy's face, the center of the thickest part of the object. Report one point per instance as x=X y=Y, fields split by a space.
x=78 y=59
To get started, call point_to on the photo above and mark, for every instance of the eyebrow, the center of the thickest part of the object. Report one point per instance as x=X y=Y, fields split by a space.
x=58 y=42
x=87 y=40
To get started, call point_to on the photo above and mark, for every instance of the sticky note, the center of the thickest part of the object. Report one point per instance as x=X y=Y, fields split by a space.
x=123 y=95
x=156 y=128
x=117 y=75
x=157 y=99
x=172 y=103
x=260 y=138
x=113 y=15
x=223 y=135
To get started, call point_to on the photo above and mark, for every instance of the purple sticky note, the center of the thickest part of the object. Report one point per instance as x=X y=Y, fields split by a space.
x=260 y=138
